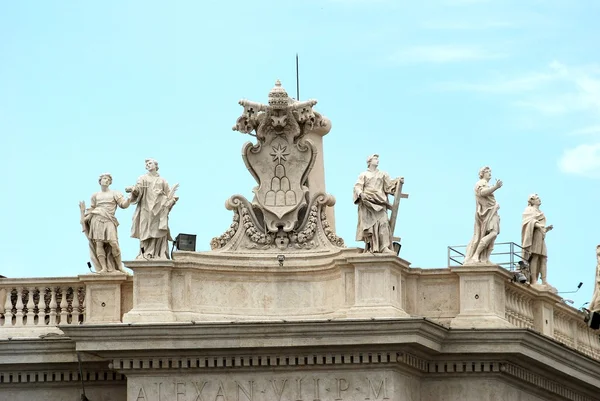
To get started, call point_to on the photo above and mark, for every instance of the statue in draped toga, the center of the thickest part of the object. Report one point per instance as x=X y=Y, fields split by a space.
x=533 y=239
x=487 y=220
x=371 y=195
x=154 y=201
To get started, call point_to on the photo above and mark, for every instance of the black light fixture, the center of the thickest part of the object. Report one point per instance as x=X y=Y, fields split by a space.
x=592 y=318
x=397 y=246
x=518 y=275
x=185 y=242
x=572 y=292
x=83 y=396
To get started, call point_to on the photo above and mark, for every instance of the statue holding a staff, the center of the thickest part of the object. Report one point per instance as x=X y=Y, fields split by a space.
x=371 y=192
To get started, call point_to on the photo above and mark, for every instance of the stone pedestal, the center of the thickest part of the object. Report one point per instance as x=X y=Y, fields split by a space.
x=220 y=286
x=543 y=313
x=376 y=286
x=103 y=297
x=152 y=291
x=482 y=297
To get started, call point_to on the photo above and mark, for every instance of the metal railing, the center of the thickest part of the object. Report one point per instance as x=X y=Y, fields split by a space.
x=505 y=254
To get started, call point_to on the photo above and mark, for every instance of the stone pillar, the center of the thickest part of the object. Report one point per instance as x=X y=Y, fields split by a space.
x=377 y=286
x=152 y=291
x=103 y=297
x=316 y=178
x=482 y=297
x=543 y=312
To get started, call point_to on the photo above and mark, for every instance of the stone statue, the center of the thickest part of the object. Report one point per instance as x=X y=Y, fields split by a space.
x=154 y=201
x=595 y=303
x=100 y=226
x=371 y=194
x=533 y=234
x=487 y=220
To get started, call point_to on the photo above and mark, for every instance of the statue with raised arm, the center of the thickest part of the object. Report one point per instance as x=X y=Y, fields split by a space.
x=487 y=220
x=595 y=303
x=100 y=226
x=533 y=239
x=154 y=201
x=371 y=195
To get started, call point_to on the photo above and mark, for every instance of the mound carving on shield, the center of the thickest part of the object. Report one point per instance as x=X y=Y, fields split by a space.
x=284 y=213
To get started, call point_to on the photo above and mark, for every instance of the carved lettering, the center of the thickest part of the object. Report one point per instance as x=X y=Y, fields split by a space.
x=342 y=385
x=199 y=391
x=249 y=394
x=179 y=391
x=378 y=391
x=277 y=390
x=141 y=395
x=316 y=397
x=299 y=389
x=221 y=392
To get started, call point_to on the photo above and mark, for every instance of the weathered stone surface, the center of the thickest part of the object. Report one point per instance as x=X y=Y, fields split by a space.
x=289 y=211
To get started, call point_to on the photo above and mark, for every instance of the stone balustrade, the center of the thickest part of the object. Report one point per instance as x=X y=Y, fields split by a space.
x=192 y=288
x=31 y=307
x=486 y=297
x=519 y=307
x=42 y=302
x=527 y=307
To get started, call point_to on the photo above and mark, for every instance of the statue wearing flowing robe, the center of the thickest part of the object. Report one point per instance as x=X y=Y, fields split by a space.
x=487 y=220
x=371 y=194
x=533 y=239
x=154 y=201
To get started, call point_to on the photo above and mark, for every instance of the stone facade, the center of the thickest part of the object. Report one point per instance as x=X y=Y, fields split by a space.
x=394 y=332
x=281 y=310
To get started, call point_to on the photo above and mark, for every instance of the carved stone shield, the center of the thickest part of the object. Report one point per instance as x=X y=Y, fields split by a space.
x=280 y=167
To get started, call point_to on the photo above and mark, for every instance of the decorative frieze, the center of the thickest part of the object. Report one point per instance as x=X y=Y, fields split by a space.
x=257 y=361
x=48 y=376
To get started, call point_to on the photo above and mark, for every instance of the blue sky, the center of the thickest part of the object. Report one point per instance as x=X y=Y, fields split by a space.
x=437 y=89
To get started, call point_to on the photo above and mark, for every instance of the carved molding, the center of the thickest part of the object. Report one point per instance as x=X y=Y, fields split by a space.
x=542 y=382
x=59 y=375
x=255 y=361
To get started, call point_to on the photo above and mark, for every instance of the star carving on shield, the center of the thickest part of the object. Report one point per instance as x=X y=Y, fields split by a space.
x=279 y=153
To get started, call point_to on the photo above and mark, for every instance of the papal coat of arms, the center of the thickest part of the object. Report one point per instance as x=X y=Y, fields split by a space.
x=284 y=213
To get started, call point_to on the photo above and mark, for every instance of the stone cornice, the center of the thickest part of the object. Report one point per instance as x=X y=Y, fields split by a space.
x=524 y=343
x=54 y=349
x=416 y=345
x=424 y=338
x=123 y=337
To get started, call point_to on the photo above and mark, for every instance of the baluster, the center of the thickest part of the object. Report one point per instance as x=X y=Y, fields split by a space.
x=509 y=313
x=8 y=315
x=83 y=310
x=519 y=310
x=19 y=307
x=42 y=307
x=64 y=313
x=53 y=304
x=530 y=313
x=30 y=307
x=75 y=305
